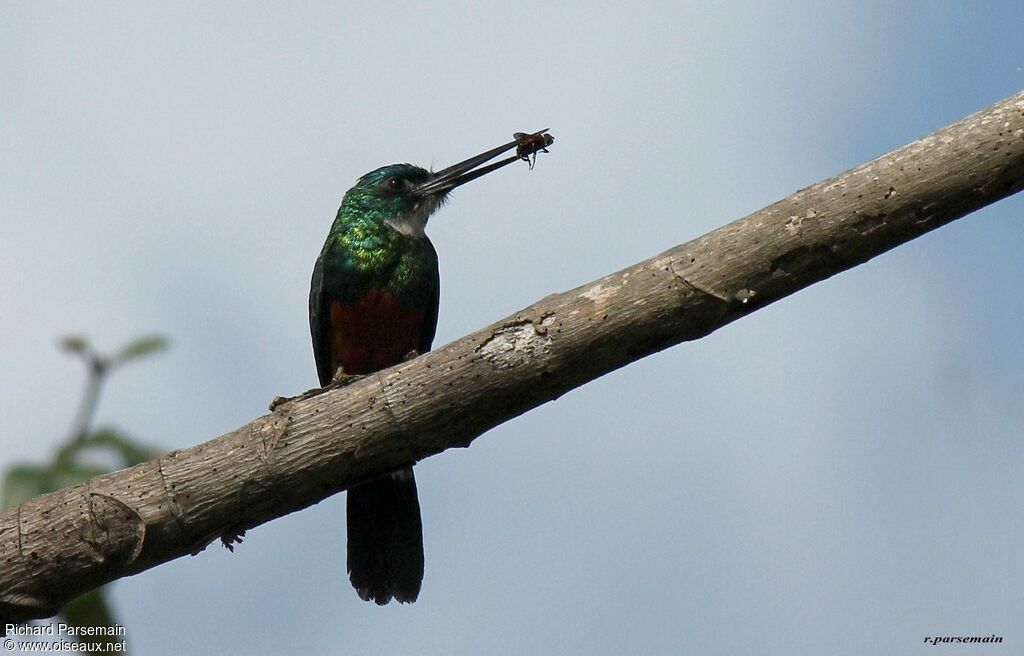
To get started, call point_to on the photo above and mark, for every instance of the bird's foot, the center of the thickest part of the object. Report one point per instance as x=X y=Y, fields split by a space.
x=281 y=400
x=231 y=537
x=410 y=355
x=340 y=380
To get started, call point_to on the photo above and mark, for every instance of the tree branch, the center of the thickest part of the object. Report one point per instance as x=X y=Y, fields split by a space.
x=59 y=545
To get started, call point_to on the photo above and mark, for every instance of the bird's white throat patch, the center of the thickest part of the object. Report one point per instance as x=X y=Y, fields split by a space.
x=413 y=222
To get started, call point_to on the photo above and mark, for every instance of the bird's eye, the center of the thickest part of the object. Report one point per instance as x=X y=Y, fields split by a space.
x=395 y=184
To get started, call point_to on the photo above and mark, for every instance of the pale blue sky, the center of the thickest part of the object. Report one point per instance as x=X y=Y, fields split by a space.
x=838 y=473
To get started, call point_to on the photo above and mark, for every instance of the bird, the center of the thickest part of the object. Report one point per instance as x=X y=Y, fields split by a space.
x=373 y=303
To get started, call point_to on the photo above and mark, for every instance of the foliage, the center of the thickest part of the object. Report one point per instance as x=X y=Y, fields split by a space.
x=74 y=461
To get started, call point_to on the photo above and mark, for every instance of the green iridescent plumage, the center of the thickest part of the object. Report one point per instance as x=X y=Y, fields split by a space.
x=368 y=247
x=373 y=303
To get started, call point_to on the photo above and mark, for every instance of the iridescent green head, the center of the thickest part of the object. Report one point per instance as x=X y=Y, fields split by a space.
x=404 y=196
x=391 y=195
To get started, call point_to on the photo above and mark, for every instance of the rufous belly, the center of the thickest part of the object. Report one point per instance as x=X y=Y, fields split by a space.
x=372 y=334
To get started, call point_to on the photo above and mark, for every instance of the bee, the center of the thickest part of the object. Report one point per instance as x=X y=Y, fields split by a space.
x=531 y=144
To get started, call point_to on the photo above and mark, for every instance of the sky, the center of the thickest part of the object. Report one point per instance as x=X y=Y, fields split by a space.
x=836 y=473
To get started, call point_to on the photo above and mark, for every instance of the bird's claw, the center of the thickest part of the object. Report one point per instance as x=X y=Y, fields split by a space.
x=341 y=379
x=231 y=537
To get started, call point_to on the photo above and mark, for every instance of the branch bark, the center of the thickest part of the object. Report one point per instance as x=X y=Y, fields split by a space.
x=57 y=546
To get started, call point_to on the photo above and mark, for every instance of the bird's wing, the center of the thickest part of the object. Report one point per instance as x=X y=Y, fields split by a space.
x=319 y=328
x=430 y=320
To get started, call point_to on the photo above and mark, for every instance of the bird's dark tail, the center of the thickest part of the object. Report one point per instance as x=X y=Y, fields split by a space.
x=385 y=538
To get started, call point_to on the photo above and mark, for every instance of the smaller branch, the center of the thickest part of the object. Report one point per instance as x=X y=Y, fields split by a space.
x=96 y=375
x=96 y=369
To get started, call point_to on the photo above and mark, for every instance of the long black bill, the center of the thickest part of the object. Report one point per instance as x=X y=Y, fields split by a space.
x=449 y=178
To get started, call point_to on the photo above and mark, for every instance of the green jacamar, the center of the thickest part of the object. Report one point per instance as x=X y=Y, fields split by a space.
x=373 y=304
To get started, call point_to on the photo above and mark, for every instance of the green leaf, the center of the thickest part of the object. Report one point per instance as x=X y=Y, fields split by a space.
x=141 y=347
x=74 y=344
x=22 y=482
x=130 y=451
x=91 y=609
x=66 y=473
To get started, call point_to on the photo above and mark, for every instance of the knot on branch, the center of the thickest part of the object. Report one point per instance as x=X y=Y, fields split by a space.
x=116 y=533
x=516 y=343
